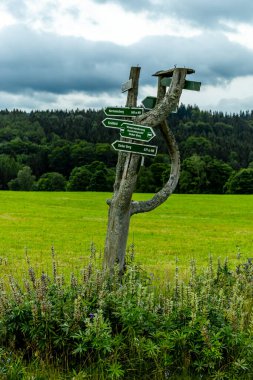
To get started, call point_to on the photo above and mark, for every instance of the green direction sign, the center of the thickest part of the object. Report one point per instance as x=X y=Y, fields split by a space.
x=150 y=101
x=188 y=85
x=114 y=123
x=137 y=132
x=123 y=111
x=146 y=150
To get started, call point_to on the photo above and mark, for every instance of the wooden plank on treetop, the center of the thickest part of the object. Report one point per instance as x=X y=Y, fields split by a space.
x=169 y=73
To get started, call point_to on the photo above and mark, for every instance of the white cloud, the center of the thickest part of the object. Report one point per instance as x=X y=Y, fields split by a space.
x=241 y=33
x=6 y=18
x=232 y=97
x=98 y=22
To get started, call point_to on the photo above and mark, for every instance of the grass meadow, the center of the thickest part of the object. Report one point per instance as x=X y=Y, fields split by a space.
x=63 y=318
x=185 y=227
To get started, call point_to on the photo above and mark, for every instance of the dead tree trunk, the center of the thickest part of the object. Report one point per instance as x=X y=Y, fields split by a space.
x=121 y=206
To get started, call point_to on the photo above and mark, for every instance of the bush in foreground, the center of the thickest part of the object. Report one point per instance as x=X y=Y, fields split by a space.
x=101 y=327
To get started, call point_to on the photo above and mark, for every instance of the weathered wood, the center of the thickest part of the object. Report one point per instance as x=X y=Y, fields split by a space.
x=161 y=91
x=168 y=104
x=169 y=72
x=121 y=206
x=162 y=195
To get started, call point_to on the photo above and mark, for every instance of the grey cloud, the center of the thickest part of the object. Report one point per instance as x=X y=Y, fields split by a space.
x=132 y=5
x=46 y=62
x=60 y=65
x=198 y=12
x=212 y=55
x=211 y=12
x=19 y=9
x=205 y=14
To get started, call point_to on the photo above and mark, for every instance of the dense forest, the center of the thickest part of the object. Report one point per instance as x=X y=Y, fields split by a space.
x=71 y=150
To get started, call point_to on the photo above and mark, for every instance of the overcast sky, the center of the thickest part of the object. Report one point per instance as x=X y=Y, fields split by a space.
x=68 y=54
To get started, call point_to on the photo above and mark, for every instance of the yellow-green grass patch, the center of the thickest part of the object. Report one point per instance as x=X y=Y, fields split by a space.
x=185 y=227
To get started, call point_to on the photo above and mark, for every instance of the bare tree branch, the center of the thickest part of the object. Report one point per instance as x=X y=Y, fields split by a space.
x=158 y=117
x=169 y=187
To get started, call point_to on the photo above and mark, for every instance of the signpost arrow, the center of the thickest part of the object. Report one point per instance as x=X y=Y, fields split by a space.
x=123 y=111
x=146 y=150
x=137 y=132
x=127 y=85
x=188 y=85
x=114 y=123
x=150 y=101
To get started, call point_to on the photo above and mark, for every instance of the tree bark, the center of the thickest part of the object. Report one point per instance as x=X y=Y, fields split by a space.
x=121 y=206
x=169 y=187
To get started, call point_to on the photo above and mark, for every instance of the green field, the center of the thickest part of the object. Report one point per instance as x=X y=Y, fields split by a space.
x=185 y=227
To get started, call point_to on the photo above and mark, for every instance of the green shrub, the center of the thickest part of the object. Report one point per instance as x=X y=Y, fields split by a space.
x=51 y=182
x=24 y=180
x=110 y=327
x=240 y=182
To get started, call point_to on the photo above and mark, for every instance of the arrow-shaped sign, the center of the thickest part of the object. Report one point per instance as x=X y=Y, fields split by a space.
x=150 y=101
x=127 y=85
x=137 y=132
x=114 y=123
x=123 y=111
x=188 y=84
x=146 y=150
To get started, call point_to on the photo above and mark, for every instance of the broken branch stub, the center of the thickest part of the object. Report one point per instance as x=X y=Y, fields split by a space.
x=168 y=104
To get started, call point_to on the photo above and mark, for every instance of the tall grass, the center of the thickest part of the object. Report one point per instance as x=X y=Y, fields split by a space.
x=95 y=326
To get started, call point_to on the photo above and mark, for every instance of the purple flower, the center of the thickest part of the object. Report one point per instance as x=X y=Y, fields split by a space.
x=91 y=315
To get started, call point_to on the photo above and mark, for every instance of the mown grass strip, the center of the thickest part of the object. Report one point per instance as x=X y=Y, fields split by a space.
x=186 y=227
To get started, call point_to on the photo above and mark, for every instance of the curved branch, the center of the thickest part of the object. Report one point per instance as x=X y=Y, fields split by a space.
x=153 y=118
x=169 y=187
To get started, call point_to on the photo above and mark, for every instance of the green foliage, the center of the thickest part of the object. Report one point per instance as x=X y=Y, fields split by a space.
x=93 y=177
x=145 y=181
x=11 y=365
x=60 y=141
x=8 y=170
x=197 y=145
x=82 y=153
x=203 y=174
x=51 y=182
x=217 y=175
x=193 y=179
x=109 y=327
x=24 y=180
x=79 y=179
x=241 y=182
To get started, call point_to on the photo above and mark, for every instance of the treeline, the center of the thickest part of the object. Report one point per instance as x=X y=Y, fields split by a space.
x=71 y=150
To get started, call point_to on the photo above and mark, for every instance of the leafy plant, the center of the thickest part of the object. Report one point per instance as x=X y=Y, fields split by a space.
x=109 y=327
